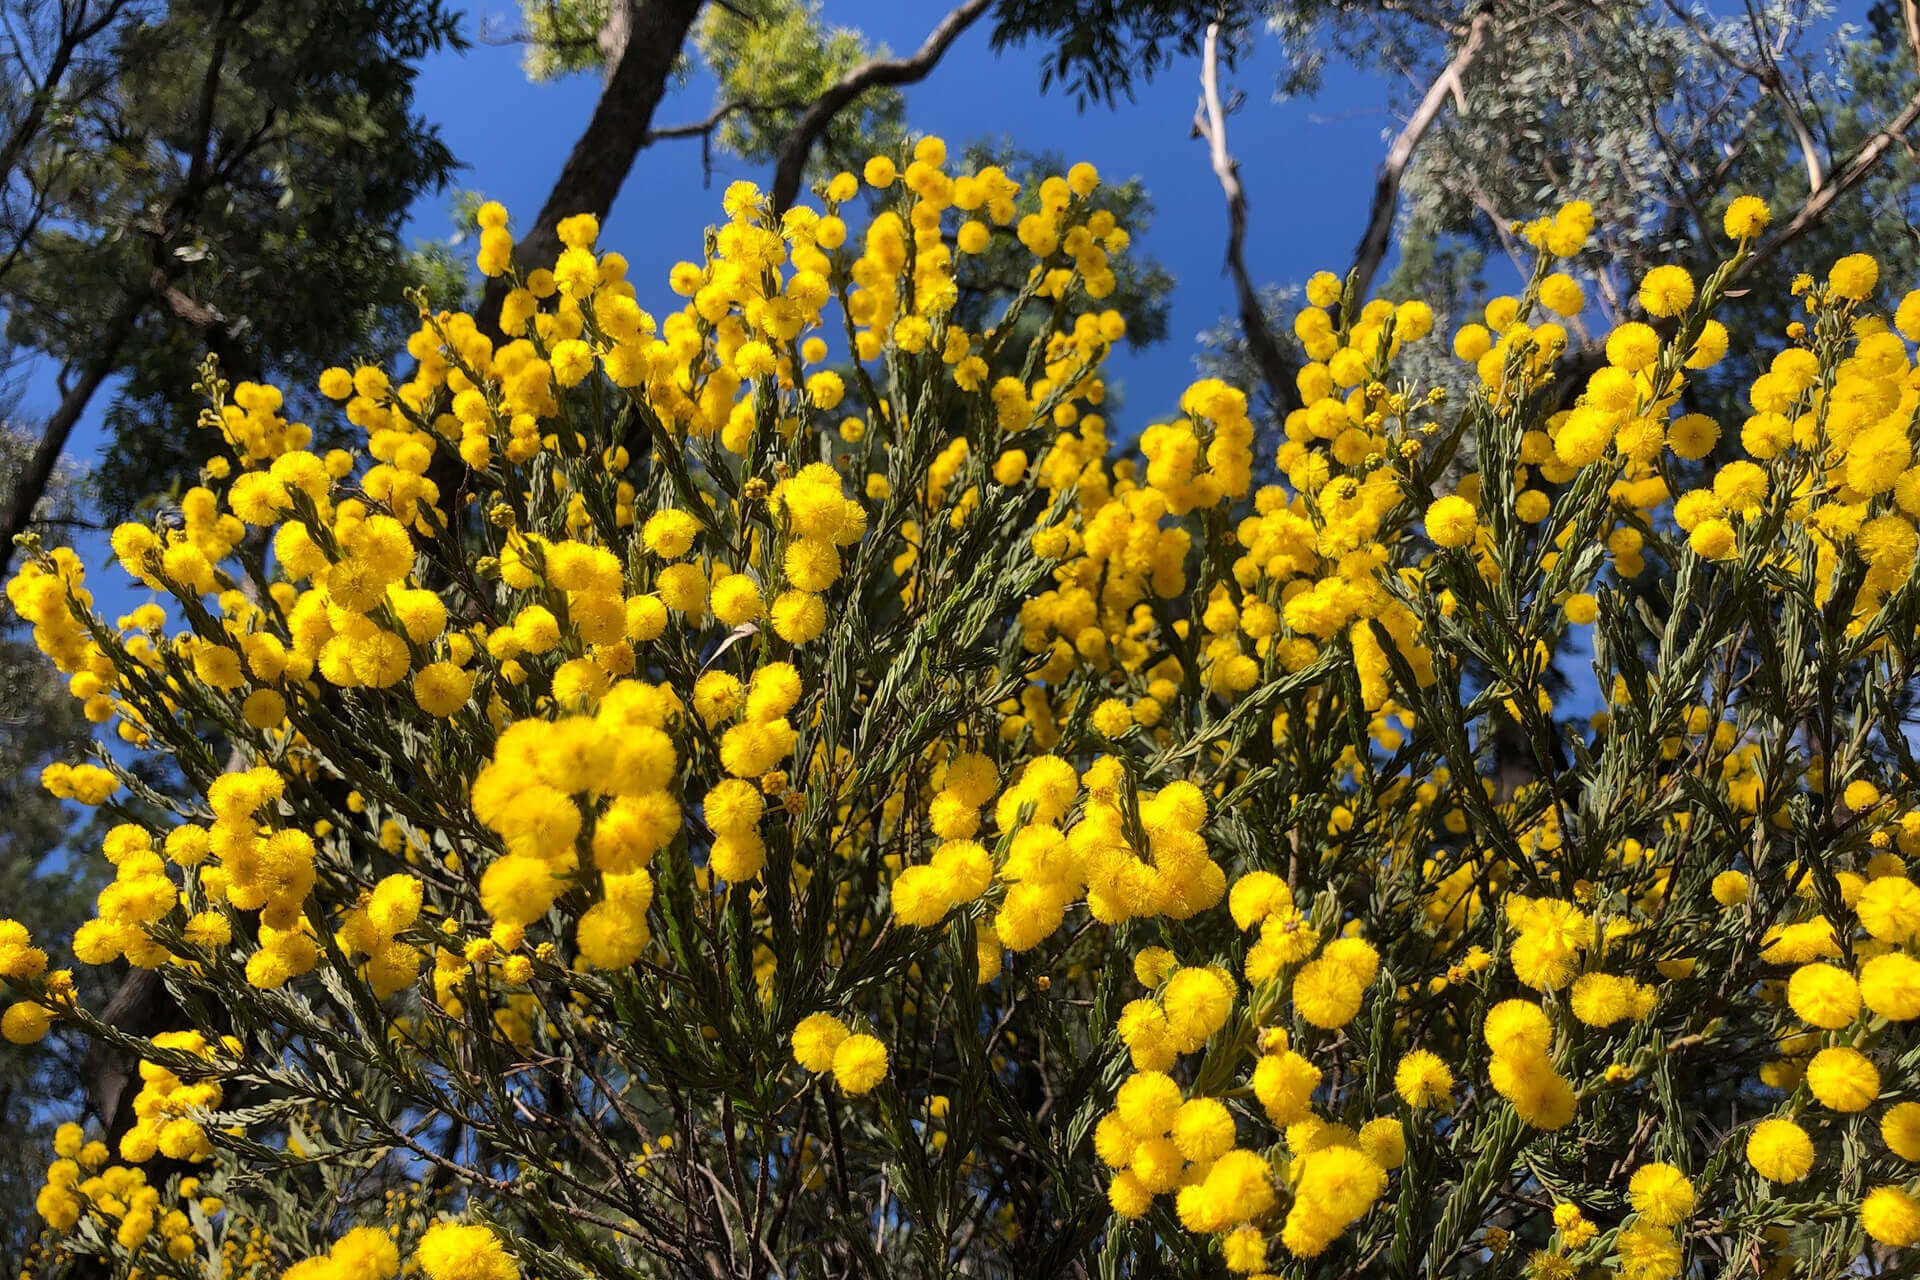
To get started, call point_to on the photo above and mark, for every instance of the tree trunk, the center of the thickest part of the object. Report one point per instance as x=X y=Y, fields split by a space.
x=23 y=494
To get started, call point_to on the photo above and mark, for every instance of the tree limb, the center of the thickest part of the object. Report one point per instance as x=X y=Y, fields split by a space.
x=649 y=35
x=704 y=129
x=879 y=72
x=1211 y=124
x=1386 y=187
x=1844 y=178
x=73 y=36
x=104 y=348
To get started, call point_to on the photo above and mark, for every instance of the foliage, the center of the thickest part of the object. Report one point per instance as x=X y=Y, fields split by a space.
x=863 y=822
x=1674 y=107
x=1667 y=117
x=768 y=59
x=1096 y=48
x=176 y=176
x=989 y=279
x=773 y=58
x=228 y=153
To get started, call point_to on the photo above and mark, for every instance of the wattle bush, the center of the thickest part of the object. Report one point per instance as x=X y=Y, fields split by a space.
x=775 y=786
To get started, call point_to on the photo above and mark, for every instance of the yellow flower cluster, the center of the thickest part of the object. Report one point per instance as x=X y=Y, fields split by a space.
x=81 y=1183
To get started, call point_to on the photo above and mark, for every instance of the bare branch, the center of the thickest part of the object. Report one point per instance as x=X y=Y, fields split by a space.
x=1774 y=84
x=1857 y=169
x=1386 y=188
x=699 y=128
x=1211 y=124
x=704 y=128
x=798 y=147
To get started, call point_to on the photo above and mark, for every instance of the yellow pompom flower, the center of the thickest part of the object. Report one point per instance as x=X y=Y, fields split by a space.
x=449 y=1251
x=1854 y=277
x=1323 y=289
x=1890 y=986
x=1844 y=1079
x=1889 y=909
x=1633 y=346
x=815 y=1039
x=1197 y=1003
x=1666 y=291
x=1824 y=995
x=1203 y=1130
x=1780 y=1151
x=1730 y=888
x=859 y=1063
x=736 y=600
x=1900 y=1130
x=737 y=858
x=669 y=534
x=1745 y=218
x=799 y=616
x=1326 y=994
x=1712 y=539
x=1661 y=1194
x=25 y=1022
x=1423 y=1080
x=441 y=688
x=1451 y=521
x=1891 y=1216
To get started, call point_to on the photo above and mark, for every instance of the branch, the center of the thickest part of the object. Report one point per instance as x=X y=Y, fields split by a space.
x=1771 y=84
x=701 y=128
x=596 y=168
x=194 y=313
x=209 y=102
x=1211 y=124
x=1910 y=11
x=1386 y=188
x=1774 y=84
x=103 y=352
x=72 y=522
x=879 y=72
x=1809 y=151
x=1845 y=178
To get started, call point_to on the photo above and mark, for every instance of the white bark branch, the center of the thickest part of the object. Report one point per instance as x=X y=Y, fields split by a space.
x=1211 y=124
x=1372 y=249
